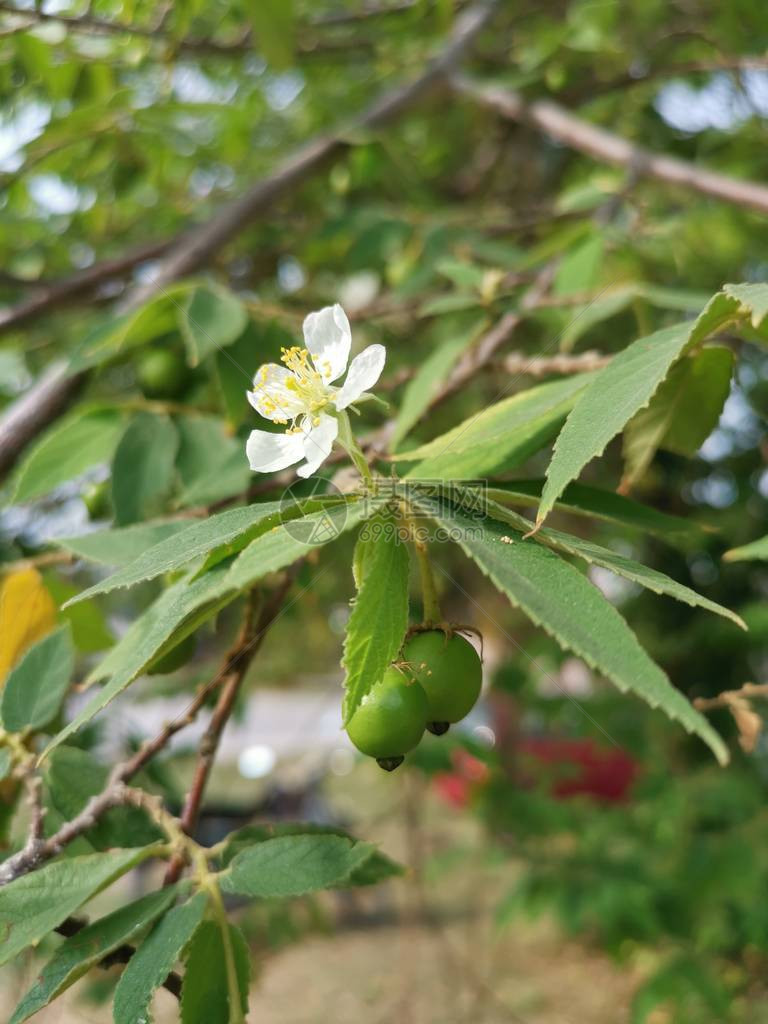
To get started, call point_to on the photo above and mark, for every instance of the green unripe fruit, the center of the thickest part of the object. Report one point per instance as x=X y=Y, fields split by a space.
x=162 y=373
x=96 y=498
x=390 y=720
x=450 y=672
x=175 y=658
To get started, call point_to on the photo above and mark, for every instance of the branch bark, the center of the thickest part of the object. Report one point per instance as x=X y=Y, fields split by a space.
x=559 y=124
x=28 y=417
x=65 y=290
x=238 y=662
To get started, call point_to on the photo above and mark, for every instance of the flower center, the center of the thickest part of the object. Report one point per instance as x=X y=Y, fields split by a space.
x=306 y=383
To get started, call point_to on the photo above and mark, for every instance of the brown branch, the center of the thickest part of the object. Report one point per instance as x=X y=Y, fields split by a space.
x=65 y=290
x=559 y=124
x=520 y=364
x=91 y=24
x=239 y=660
x=27 y=417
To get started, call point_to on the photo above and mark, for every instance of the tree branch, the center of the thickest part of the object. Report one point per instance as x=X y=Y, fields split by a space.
x=26 y=418
x=61 y=292
x=239 y=660
x=559 y=124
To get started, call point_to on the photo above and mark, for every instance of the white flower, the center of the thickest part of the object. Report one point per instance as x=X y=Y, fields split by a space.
x=300 y=394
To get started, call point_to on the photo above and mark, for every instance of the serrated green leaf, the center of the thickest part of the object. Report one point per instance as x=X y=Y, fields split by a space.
x=154 y=960
x=613 y=396
x=33 y=905
x=283 y=545
x=142 y=469
x=682 y=413
x=211 y=319
x=205 y=991
x=427 y=380
x=294 y=865
x=175 y=614
x=123 y=545
x=630 y=569
x=90 y=632
x=757 y=550
x=80 y=952
x=557 y=597
x=500 y=436
x=86 y=438
x=379 y=616
x=583 y=500
x=375 y=869
x=36 y=687
x=185 y=546
x=733 y=303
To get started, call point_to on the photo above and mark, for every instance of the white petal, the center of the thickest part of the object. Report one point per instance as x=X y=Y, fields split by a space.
x=269 y=452
x=364 y=370
x=272 y=396
x=317 y=444
x=328 y=339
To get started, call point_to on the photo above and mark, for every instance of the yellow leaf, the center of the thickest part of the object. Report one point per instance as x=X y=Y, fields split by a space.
x=27 y=613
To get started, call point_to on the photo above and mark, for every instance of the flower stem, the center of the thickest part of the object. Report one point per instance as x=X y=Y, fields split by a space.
x=349 y=443
x=431 y=605
x=236 y=1015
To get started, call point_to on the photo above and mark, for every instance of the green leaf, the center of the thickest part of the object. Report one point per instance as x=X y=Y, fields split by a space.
x=90 y=632
x=501 y=436
x=230 y=478
x=212 y=318
x=583 y=500
x=154 y=960
x=72 y=776
x=84 y=950
x=682 y=413
x=274 y=30
x=734 y=303
x=205 y=992
x=284 y=544
x=123 y=545
x=175 y=614
x=86 y=438
x=579 y=270
x=582 y=319
x=374 y=869
x=595 y=554
x=6 y=761
x=757 y=549
x=185 y=546
x=33 y=905
x=379 y=616
x=205 y=442
x=426 y=382
x=557 y=597
x=142 y=469
x=613 y=396
x=294 y=865
x=36 y=687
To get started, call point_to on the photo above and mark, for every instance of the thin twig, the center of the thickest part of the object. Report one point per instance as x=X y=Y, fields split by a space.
x=246 y=646
x=558 y=123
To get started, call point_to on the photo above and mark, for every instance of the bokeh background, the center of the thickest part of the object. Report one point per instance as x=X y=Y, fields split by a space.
x=572 y=857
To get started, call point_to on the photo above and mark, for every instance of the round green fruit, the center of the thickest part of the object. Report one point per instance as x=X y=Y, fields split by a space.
x=450 y=672
x=175 y=658
x=97 y=500
x=162 y=373
x=390 y=720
